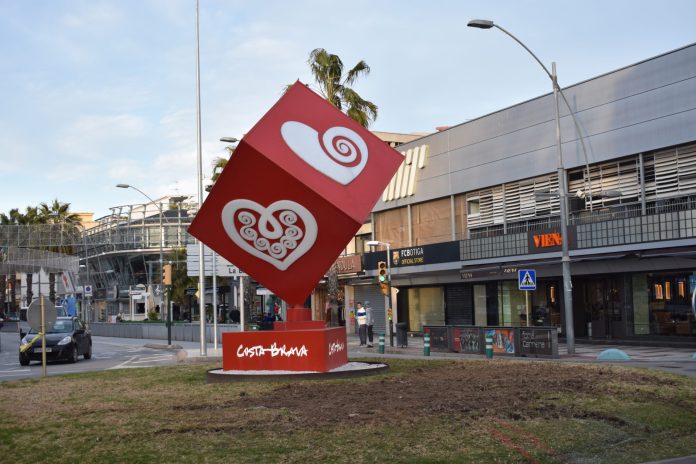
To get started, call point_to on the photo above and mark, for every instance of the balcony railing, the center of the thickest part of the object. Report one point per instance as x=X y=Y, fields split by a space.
x=666 y=219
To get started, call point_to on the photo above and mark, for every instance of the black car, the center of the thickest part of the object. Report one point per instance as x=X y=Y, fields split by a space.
x=66 y=340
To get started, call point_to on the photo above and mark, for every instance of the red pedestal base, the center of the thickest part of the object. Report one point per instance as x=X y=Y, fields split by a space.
x=314 y=350
x=299 y=314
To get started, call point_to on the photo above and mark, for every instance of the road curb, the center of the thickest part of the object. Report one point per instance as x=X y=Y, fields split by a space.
x=155 y=346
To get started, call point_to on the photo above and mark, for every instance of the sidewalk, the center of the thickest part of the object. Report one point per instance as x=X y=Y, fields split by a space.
x=674 y=360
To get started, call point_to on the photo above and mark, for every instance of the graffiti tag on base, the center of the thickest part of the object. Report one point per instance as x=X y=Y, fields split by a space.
x=335 y=347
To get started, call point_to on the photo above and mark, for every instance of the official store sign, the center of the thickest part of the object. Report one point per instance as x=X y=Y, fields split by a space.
x=297 y=188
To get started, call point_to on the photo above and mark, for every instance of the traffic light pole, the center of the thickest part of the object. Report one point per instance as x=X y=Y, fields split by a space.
x=386 y=283
x=390 y=308
x=167 y=289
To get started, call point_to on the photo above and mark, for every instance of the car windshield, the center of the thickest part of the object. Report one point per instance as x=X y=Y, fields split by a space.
x=58 y=327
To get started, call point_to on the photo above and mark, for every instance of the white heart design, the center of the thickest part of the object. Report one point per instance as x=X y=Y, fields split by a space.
x=341 y=154
x=271 y=234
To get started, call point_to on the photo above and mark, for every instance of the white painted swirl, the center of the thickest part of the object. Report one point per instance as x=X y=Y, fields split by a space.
x=341 y=154
x=343 y=145
x=273 y=233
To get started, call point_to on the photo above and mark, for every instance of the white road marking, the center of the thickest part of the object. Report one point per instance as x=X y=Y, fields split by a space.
x=154 y=359
x=124 y=363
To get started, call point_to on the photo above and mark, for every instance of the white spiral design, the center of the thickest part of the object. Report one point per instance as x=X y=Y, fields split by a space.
x=278 y=234
x=339 y=153
x=343 y=145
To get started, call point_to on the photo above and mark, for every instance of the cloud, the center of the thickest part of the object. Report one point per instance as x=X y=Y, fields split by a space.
x=127 y=171
x=89 y=136
x=68 y=172
x=93 y=15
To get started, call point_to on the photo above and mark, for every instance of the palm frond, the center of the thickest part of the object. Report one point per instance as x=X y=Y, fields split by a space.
x=360 y=110
x=358 y=70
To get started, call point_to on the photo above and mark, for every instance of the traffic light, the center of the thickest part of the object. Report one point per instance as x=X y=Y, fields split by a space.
x=167 y=274
x=383 y=277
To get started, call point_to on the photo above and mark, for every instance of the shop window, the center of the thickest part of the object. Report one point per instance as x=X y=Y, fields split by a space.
x=681 y=289
x=658 y=292
x=426 y=306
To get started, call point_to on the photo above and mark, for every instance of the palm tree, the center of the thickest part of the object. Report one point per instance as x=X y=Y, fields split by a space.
x=17 y=218
x=335 y=87
x=59 y=213
x=327 y=70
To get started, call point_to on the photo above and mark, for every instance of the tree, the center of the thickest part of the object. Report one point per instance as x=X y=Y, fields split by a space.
x=59 y=213
x=54 y=213
x=335 y=87
x=17 y=218
x=180 y=279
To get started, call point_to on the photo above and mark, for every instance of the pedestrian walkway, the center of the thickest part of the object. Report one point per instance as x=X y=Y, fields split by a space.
x=669 y=359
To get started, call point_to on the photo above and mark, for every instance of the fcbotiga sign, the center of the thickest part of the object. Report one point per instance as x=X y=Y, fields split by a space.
x=417 y=256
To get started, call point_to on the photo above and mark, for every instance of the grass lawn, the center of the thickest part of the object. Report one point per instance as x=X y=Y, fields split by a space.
x=418 y=411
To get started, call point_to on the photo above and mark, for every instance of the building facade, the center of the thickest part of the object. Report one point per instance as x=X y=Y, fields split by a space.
x=473 y=204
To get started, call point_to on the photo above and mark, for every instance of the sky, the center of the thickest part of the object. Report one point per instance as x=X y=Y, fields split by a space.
x=99 y=92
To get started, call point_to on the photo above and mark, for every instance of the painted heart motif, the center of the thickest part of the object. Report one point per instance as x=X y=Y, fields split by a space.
x=340 y=154
x=278 y=234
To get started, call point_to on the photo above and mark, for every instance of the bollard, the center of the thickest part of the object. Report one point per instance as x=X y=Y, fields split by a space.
x=489 y=346
x=426 y=344
x=381 y=343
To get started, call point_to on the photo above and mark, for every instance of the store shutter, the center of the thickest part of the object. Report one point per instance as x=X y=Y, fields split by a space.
x=373 y=294
x=460 y=305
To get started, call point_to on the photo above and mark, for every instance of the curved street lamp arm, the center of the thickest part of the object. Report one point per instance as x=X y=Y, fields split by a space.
x=554 y=81
x=548 y=73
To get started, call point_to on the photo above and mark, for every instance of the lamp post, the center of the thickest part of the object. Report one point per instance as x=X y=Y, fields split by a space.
x=161 y=259
x=562 y=183
x=199 y=158
x=215 y=260
x=373 y=243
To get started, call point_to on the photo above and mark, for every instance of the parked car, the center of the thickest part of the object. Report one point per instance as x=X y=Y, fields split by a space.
x=68 y=339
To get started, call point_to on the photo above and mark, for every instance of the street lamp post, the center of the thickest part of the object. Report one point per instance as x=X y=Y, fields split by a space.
x=199 y=158
x=562 y=183
x=372 y=243
x=161 y=257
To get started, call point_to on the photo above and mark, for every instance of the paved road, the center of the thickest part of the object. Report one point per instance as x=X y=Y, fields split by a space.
x=123 y=353
x=107 y=353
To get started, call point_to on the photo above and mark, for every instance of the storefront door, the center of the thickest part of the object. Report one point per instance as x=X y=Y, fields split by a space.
x=602 y=307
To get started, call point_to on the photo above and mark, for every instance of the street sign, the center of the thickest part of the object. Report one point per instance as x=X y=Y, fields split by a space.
x=223 y=268
x=526 y=279
x=88 y=290
x=34 y=313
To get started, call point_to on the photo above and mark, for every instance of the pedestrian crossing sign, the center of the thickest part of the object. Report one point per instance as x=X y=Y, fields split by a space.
x=526 y=279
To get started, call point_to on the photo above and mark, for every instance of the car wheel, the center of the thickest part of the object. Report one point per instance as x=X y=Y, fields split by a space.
x=23 y=360
x=88 y=354
x=74 y=355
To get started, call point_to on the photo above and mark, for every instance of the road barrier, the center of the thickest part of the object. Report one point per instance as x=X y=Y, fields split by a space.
x=185 y=332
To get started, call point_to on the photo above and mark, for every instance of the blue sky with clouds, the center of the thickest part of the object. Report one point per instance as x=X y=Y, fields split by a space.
x=100 y=92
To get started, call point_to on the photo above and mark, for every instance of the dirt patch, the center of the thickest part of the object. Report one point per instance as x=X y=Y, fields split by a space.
x=458 y=390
